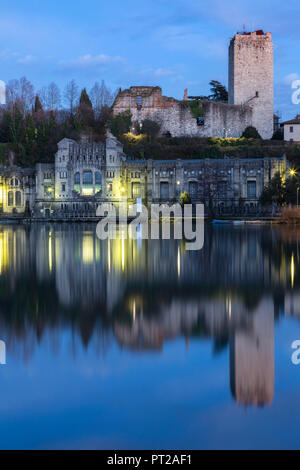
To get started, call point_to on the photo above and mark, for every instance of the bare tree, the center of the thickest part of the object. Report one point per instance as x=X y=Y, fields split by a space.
x=20 y=93
x=71 y=95
x=54 y=96
x=50 y=97
x=101 y=96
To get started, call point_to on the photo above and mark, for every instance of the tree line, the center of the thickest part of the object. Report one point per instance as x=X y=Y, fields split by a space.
x=32 y=122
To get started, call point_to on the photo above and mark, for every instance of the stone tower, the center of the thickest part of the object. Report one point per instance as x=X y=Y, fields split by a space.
x=250 y=77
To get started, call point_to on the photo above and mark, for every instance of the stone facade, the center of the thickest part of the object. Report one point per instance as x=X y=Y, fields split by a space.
x=250 y=97
x=176 y=118
x=87 y=174
x=250 y=77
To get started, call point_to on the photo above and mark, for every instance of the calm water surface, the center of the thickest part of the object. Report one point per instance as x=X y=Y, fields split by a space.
x=141 y=344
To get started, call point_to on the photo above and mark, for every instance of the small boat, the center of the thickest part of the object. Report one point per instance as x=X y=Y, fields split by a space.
x=219 y=221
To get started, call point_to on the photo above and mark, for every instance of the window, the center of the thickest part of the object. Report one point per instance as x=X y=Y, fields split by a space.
x=87 y=183
x=136 y=190
x=98 y=181
x=222 y=189
x=291 y=129
x=77 y=178
x=63 y=187
x=251 y=189
x=77 y=182
x=18 y=198
x=87 y=177
x=164 y=191
x=14 y=182
x=10 y=198
x=139 y=100
x=193 y=188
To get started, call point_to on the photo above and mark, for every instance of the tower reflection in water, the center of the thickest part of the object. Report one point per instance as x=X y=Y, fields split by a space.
x=142 y=293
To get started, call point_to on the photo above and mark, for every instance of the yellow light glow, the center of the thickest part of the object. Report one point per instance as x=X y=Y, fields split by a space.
x=87 y=249
x=228 y=306
x=108 y=255
x=123 y=255
x=4 y=244
x=87 y=191
x=292 y=270
x=50 y=252
x=292 y=172
x=122 y=189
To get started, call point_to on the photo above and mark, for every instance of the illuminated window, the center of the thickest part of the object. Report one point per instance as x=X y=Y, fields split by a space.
x=77 y=182
x=18 y=198
x=87 y=183
x=98 y=181
x=87 y=177
x=10 y=198
x=136 y=190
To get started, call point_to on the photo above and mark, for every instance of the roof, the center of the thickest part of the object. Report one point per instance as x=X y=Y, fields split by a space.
x=292 y=121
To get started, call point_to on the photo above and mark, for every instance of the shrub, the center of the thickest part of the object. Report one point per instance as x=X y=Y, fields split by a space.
x=251 y=133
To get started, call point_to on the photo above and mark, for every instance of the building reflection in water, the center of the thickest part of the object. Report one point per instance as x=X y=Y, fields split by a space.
x=143 y=293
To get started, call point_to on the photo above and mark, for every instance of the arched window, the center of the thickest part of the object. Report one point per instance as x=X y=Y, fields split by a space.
x=87 y=177
x=77 y=182
x=16 y=182
x=10 y=198
x=87 y=183
x=98 y=181
x=11 y=182
x=18 y=198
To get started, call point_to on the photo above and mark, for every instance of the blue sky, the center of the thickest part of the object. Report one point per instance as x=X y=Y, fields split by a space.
x=171 y=43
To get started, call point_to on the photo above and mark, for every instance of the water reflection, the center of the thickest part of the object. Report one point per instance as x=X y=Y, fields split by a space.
x=142 y=294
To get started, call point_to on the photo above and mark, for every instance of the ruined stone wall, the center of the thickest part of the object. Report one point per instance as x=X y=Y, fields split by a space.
x=250 y=77
x=175 y=117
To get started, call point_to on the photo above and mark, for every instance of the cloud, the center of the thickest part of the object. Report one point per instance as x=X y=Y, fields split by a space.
x=288 y=79
x=88 y=60
x=159 y=72
x=28 y=59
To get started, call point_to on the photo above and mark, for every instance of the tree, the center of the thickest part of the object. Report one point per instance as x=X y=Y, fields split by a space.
x=121 y=123
x=274 y=191
x=71 y=95
x=85 y=111
x=50 y=97
x=151 y=128
x=101 y=96
x=278 y=135
x=20 y=93
x=54 y=96
x=218 y=93
x=37 y=104
x=184 y=198
x=251 y=133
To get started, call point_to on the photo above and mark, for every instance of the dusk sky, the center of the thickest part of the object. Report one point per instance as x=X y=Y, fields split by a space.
x=174 y=44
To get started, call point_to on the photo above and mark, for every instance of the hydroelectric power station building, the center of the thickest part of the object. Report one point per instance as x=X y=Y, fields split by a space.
x=87 y=174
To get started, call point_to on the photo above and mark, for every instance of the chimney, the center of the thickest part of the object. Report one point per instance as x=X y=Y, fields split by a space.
x=185 y=96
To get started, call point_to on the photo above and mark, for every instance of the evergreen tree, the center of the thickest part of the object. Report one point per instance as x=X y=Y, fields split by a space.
x=37 y=104
x=85 y=111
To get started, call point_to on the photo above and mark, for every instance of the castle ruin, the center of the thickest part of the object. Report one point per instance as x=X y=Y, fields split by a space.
x=250 y=103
